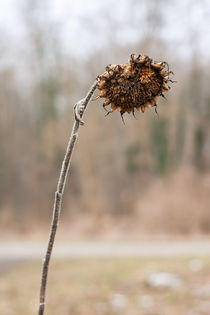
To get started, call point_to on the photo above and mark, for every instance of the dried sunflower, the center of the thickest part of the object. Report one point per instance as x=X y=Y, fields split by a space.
x=137 y=84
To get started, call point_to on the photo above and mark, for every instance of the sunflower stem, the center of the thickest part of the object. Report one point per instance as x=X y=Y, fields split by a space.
x=79 y=109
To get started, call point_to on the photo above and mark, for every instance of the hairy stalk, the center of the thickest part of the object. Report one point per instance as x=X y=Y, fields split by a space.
x=79 y=110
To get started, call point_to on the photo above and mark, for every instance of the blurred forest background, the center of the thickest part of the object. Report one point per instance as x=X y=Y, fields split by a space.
x=151 y=176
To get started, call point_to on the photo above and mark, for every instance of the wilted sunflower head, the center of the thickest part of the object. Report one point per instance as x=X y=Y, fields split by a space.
x=137 y=84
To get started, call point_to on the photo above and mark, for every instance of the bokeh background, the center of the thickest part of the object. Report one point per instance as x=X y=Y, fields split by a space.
x=133 y=235
x=151 y=176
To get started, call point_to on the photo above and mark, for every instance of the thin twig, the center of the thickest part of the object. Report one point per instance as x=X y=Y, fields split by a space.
x=79 y=110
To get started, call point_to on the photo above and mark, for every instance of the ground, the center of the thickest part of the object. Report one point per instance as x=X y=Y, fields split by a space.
x=108 y=286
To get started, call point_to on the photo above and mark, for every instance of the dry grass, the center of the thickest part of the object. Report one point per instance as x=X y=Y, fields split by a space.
x=104 y=287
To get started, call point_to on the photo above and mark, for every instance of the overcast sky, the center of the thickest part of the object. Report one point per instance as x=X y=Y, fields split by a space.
x=180 y=17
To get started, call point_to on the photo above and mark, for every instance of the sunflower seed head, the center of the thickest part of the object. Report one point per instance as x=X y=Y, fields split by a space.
x=135 y=85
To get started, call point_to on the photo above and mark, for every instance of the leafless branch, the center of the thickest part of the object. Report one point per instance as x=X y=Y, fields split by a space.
x=79 y=110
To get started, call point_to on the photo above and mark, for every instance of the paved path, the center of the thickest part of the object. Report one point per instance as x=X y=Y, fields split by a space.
x=23 y=250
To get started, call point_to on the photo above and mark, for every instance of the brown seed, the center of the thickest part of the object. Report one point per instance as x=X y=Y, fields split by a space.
x=158 y=65
x=107 y=101
x=142 y=59
x=164 y=73
x=102 y=93
x=101 y=84
x=165 y=87
x=113 y=106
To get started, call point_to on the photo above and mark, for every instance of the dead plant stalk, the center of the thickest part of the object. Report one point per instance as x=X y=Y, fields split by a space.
x=135 y=85
x=79 y=108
